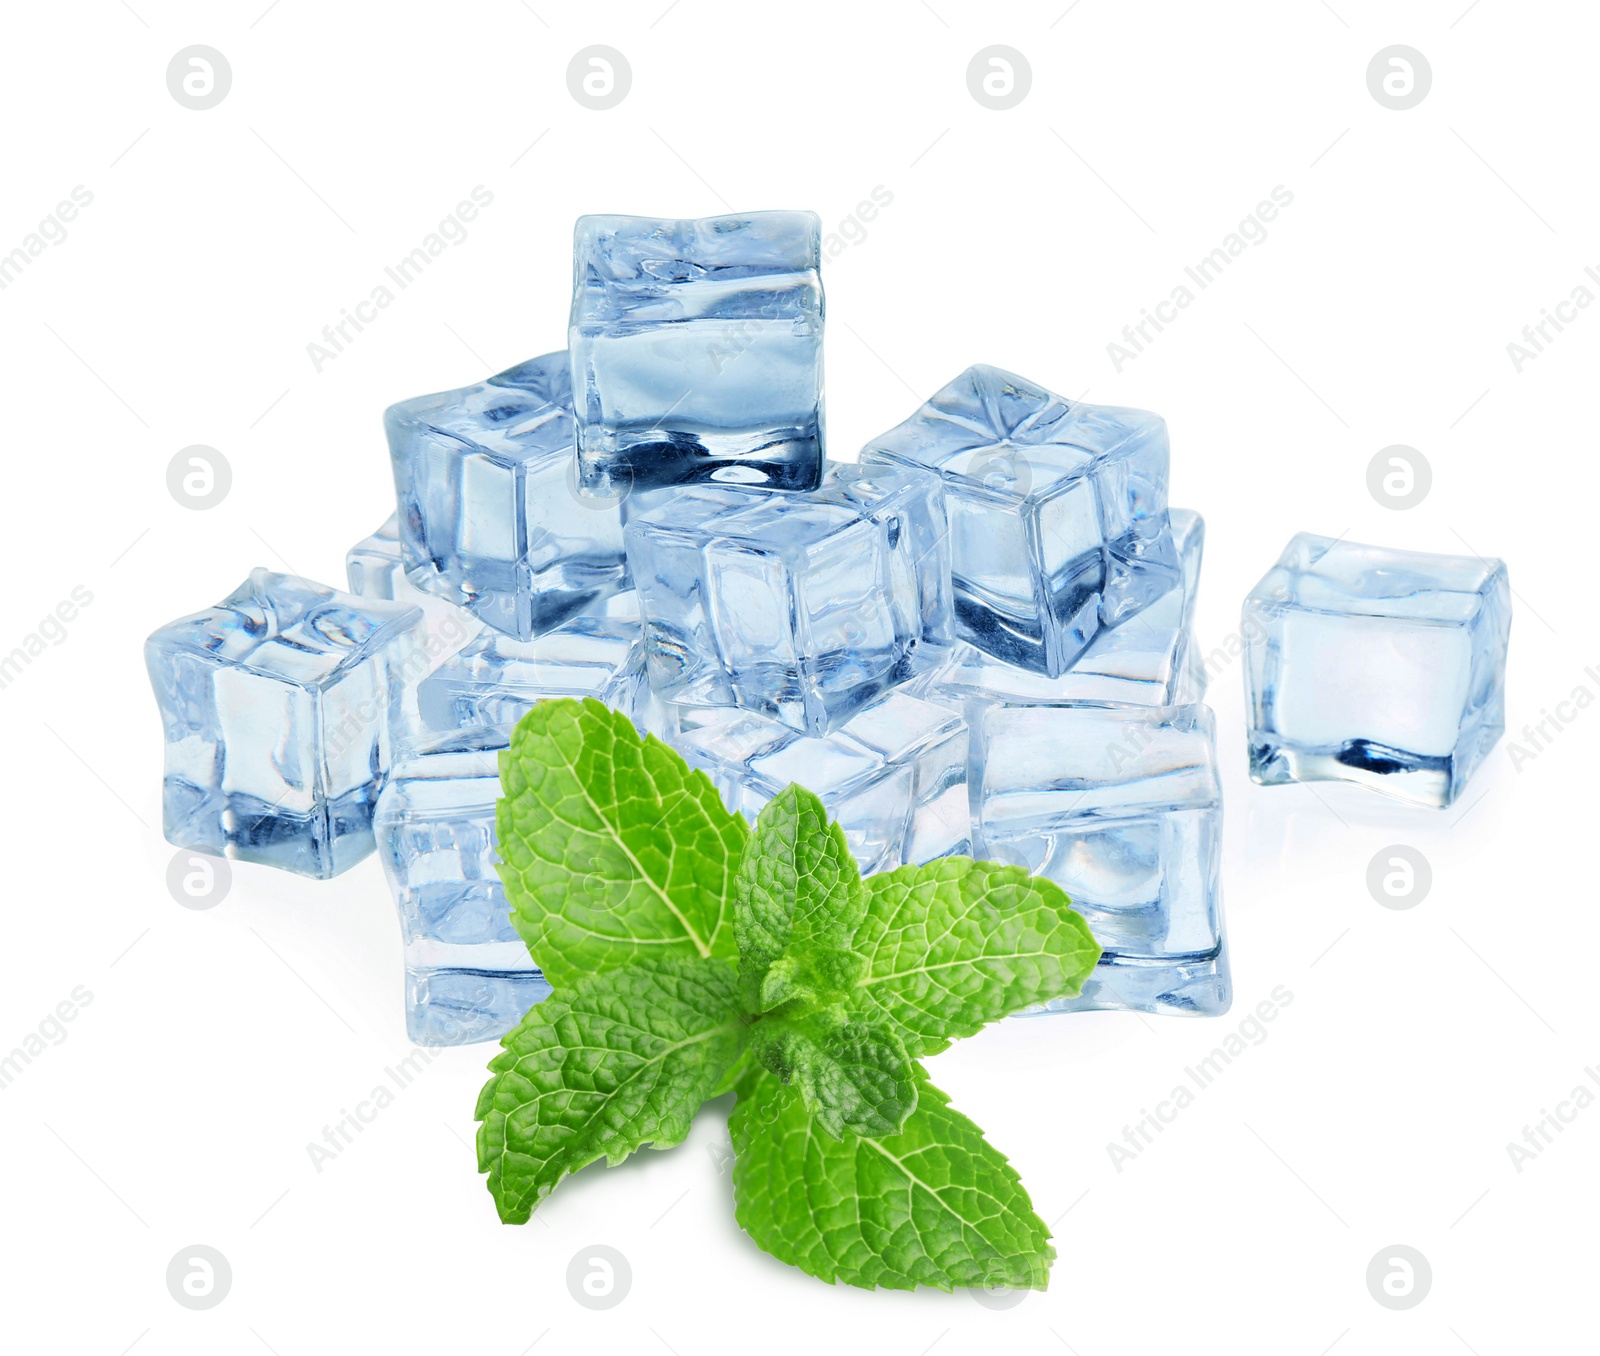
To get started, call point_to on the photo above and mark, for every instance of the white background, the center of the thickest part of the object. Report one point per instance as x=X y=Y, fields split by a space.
x=178 y=310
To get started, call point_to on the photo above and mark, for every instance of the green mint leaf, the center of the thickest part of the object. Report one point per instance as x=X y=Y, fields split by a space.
x=603 y=1067
x=956 y=944
x=852 y=1076
x=612 y=850
x=933 y=1205
x=737 y=1072
x=798 y=902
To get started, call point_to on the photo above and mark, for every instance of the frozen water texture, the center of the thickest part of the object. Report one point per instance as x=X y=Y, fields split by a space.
x=494 y=680
x=489 y=513
x=1382 y=667
x=279 y=707
x=1122 y=807
x=801 y=607
x=468 y=974
x=697 y=351
x=1150 y=659
x=1058 y=512
x=373 y=565
x=894 y=777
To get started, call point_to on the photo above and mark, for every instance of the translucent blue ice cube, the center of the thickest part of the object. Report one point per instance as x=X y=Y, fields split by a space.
x=489 y=513
x=802 y=607
x=494 y=680
x=376 y=568
x=895 y=776
x=373 y=565
x=468 y=975
x=1148 y=660
x=1122 y=807
x=279 y=707
x=697 y=350
x=1058 y=512
x=1371 y=665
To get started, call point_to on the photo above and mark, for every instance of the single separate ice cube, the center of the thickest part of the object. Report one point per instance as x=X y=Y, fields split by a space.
x=489 y=515
x=894 y=777
x=280 y=706
x=697 y=350
x=468 y=974
x=1058 y=512
x=1370 y=665
x=494 y=680
x=803 y=607
x=1150 y=659
x=1121 y=806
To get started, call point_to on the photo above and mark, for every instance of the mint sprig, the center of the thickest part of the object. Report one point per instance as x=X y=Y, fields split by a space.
x=691 y=957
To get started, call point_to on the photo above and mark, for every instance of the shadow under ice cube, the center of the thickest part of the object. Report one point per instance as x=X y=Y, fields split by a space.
x=469 y=976
x=697 y=350
x=1370 y=665
x=1058 y=512
x=1121 y=807
x=489 y=513
x=279 y=707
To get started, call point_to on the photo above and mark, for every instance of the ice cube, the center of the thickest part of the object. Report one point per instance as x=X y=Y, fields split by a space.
x=1148 y=660
x=373 y=565
x=697 y=350
x=802 y=607
x=1122 y=807
x=490 y=517
x=1376 y=666
x=279 y=707
x=468 y=975
x=494 y=680
x=894 y=777
x=1058 y=512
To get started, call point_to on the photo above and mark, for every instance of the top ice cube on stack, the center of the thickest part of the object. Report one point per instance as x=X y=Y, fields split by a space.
x=697 y=351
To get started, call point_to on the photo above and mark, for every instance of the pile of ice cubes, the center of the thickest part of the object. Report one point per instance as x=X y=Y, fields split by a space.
x=974 y=639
